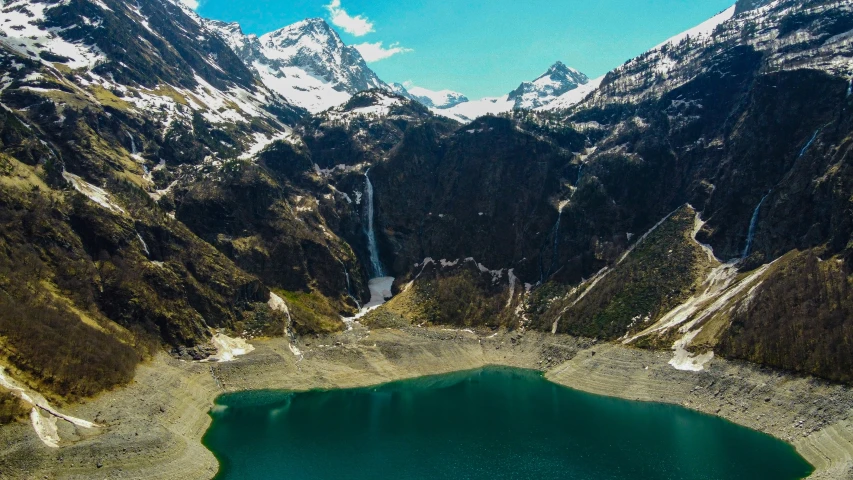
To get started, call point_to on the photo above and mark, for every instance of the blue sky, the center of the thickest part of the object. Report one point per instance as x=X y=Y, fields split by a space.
x=480 y=47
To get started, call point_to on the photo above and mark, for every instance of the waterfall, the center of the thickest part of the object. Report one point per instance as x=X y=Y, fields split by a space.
x=750 y=236
x=349 y=287
x=144 y=245
x=850 y=87
x=809 y=144
x=132 y=145
x=580 y=175
x=375 y=263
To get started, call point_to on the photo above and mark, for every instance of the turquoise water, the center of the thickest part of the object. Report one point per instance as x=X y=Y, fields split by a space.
x=495 y=423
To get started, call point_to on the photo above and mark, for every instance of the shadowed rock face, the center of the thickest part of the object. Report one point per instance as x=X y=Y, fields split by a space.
x=487 y=191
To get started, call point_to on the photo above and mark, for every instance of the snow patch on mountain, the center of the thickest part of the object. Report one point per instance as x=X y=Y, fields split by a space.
x=263 y=141
x=437 y=99
x=193 y=4
x=372 y=104
x=95 y=194
x=300 y=87
x=573 y=97
x=469 y=111
x=704 y=29
x=228 y=348
x=25 y=35
x=43 y=415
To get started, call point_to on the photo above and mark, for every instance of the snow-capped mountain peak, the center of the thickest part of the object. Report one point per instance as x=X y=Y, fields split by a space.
x=305 y=37
x=573 y=97
x=306 y=62
x=558 y=80
x=559 y=72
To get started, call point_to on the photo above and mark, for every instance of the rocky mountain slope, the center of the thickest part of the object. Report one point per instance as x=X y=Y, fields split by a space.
x=108 y=109
x=747 y=125
x=159 y=194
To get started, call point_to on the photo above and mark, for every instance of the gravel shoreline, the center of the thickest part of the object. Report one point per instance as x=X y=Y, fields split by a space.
x=153 y=427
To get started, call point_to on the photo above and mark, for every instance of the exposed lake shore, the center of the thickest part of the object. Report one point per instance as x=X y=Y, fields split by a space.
x=153 y=427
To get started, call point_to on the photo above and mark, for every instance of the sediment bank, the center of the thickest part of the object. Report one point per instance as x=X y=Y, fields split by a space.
x=153 y=427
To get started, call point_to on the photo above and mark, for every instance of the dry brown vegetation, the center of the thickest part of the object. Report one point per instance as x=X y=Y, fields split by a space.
x=47 y=285
x=461 y=300
x=660 y=273
x=800 y=319
x=47 y=341
x=462 y=297
x=312 y=313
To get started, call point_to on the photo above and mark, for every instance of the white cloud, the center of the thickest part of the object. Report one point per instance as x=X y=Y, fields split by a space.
x=191 y=3
x=357 y=25
x=373 y=52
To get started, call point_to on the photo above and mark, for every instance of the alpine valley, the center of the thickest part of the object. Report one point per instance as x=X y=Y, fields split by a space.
x=187 y=210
